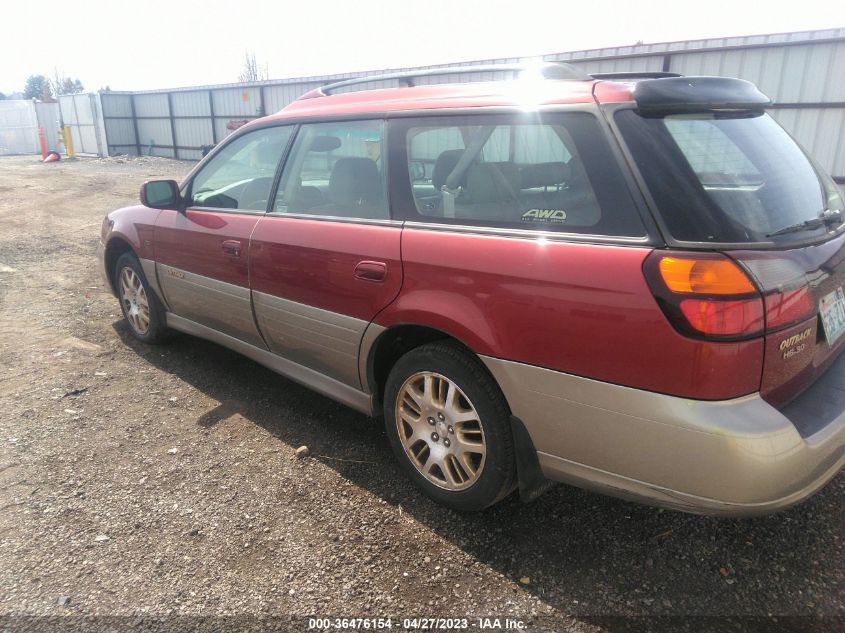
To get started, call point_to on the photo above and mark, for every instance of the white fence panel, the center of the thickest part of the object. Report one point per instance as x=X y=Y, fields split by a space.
x=18 y=128
x=83 y=114
x=50 y=121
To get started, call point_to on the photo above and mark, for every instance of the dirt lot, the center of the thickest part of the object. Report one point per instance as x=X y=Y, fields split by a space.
x=152 y=481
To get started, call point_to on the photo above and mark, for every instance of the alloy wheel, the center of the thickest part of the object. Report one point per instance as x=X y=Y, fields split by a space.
x=133 y=298
x=440 y=430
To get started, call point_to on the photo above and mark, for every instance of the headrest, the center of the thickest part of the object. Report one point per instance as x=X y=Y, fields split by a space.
x=354 y=181
x=324 y=144
x=444 y=165
x=544 y=175
x=487 y=183
x=511 y=173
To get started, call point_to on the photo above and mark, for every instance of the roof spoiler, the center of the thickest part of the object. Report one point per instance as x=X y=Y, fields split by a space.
x=705 y=93
x=633 y=75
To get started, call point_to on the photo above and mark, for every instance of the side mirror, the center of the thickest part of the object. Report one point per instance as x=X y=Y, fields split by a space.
x=161 y=194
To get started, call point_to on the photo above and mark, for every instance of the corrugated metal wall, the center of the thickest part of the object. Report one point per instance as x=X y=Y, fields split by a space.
x=19 y=123
x=18 y=127
x=802 y=72
x=83 y=114
x=50 y=120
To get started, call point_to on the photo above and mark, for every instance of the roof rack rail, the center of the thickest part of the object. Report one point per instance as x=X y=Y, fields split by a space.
x=548 y=70
x=646 y=74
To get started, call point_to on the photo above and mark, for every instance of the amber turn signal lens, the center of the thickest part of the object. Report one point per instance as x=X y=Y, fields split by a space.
x=704 y=276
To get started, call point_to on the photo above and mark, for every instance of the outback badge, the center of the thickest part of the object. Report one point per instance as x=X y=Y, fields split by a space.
x=794 y=344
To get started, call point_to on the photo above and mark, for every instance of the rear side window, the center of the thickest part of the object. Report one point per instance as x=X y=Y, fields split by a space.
x=336 y=170
x=545 y=172
x=726 y=176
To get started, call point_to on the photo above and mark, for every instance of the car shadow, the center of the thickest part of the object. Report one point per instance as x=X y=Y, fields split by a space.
x=599 y=559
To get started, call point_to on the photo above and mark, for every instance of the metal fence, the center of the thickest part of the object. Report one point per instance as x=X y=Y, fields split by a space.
x=19 y=123
x=179 y=123
x=83 y=114
x=801 y=72
x=18 y=127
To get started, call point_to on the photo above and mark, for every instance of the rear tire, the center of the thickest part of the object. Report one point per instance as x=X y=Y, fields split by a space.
x=142 y=310
x=449 y=427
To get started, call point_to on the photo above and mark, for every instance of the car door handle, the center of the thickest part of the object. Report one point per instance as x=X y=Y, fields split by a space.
x=371 y=271
x=232 y=248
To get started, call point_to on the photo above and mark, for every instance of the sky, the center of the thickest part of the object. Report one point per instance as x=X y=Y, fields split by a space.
x=148 y=44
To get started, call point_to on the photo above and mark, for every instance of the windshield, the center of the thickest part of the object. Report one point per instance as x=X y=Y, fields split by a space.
x=729 y=177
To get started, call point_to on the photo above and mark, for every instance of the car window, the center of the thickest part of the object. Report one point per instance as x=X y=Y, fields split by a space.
x=240 y=175
x=555 y=173
x=714 y=157
x=336 y=169
x=726 y=176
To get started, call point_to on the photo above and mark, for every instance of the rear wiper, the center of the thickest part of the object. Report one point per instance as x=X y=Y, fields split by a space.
x=828 y=218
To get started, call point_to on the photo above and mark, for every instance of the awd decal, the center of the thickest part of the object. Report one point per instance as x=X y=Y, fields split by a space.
x=175 y=273
x=544 y=215
x=795 y=344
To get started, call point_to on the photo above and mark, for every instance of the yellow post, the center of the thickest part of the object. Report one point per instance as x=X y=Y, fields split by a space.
x=68 y=141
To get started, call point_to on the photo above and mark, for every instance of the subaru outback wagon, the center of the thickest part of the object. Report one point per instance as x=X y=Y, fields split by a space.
x=632 y=284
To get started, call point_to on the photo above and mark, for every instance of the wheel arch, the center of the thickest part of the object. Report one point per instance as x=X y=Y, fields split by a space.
x=116 y=246
x=397 y=340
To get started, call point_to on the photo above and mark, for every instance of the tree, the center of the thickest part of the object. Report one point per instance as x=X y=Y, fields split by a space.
x=64 y=85
x=47 y=94
x=251 y=71
x=2 y=96
x=38 y=87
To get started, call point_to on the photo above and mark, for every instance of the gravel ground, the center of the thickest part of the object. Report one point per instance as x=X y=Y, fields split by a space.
x=162 y=481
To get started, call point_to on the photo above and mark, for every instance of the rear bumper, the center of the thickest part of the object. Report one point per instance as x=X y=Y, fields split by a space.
x=734 y=457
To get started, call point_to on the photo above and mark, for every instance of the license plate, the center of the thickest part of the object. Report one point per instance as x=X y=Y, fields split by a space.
x=832 y=309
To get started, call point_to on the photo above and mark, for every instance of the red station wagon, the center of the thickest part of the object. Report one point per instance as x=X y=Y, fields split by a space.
x=629 y=283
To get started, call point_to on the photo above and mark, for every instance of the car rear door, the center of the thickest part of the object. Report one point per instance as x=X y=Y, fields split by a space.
x=326 y=259
x=805 y=312
x=202 y=251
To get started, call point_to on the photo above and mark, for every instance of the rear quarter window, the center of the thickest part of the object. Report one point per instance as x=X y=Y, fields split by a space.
x=552 y=172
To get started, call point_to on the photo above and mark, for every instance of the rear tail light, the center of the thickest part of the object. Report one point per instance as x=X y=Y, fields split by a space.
x=704 y=276
x=706 y=295
x=787 y=307
x=724 y=318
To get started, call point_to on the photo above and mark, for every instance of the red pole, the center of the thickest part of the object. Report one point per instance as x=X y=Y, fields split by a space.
x=43 y=141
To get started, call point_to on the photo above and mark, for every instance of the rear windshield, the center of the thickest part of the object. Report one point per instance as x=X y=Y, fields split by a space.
x=727 y=177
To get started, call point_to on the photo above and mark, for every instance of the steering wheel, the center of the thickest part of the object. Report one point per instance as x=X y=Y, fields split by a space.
x=255 y=194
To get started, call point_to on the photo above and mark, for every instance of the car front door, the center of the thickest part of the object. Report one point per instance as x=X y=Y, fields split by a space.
x=202 y=251
x=325 y=260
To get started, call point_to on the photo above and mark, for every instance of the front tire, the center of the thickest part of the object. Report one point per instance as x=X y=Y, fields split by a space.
x=141 y=308
x=449 y=427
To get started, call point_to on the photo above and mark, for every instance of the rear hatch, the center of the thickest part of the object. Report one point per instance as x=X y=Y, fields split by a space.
x=728 y=179
x=805 y=313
